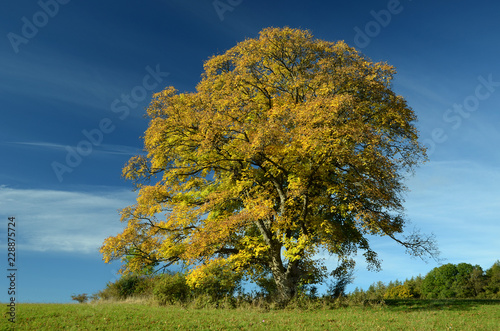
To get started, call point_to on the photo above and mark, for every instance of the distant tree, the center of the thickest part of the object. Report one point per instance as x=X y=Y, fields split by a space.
x=468 y=280
x=453 y=281
x=358 y=295
x=415 y=286
x=376 y=291
x=438 y=283
x=81 y=298
x=478 y=281
x=394 y=284
x=289 y=145
x=492 y=280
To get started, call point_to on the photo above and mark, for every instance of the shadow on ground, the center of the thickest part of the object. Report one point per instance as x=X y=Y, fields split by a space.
x=434 y=304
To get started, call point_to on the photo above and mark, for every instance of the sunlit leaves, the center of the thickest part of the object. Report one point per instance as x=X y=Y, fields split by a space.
x=289 y=145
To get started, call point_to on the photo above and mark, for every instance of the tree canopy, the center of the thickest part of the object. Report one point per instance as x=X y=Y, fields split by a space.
x=455 y=281
x=290 y=145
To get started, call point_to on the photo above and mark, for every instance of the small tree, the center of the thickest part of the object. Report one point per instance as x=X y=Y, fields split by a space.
x=343 y=275
x=415 y=286
x=81 y=298
x=376 y=291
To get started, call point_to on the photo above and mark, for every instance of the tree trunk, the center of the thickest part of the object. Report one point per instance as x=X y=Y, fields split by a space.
x=286 y=279
x=286 y=286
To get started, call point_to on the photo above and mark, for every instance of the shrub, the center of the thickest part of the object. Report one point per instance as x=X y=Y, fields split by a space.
x=398 y=292
x=358 y=296
x=216 y=280
x=125 y=287
x=171 y=288
x=81 y=298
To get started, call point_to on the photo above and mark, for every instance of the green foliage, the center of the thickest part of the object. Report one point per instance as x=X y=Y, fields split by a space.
x=344 y=275
x=216 y=282
x=223 y=289
x=438 y=282
x=449 y=281
x=376 y=291
x=453 y=281
x=358 y=296
x=125 y=287
x=464 y=285
x=492 y=280
x=81 y=298
x=170 y=288
x=415 y=286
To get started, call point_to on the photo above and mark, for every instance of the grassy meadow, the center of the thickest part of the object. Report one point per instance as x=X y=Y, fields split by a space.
x=391 y=315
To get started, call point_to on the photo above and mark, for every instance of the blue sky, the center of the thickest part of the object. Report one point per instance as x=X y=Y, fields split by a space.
x=76 y=76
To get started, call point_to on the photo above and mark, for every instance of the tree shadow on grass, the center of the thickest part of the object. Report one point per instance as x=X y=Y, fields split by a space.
x=438 y=304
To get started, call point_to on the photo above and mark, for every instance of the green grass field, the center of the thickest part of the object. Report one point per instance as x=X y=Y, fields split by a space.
x=394 y=315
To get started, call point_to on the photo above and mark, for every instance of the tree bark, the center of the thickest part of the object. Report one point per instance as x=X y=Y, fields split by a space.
x=286 y=278
x=287 y=281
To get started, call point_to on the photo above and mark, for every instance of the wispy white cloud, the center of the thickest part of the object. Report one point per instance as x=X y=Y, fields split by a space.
x=61 y=221
x=36 y=144
x=120 y=149
x=100 y=149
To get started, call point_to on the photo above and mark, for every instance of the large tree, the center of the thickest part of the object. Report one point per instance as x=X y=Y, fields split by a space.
x=289 y=146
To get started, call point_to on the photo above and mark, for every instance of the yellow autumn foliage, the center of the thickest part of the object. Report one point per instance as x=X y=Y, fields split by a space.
x=289 y=144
